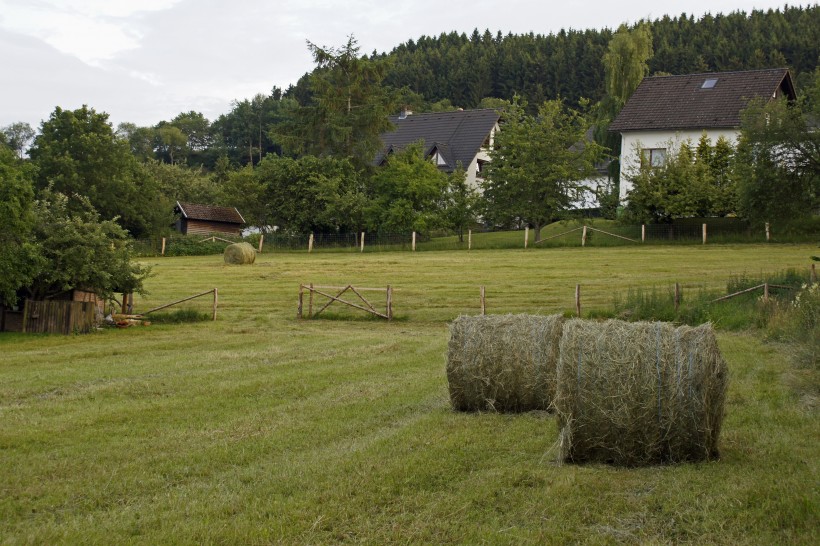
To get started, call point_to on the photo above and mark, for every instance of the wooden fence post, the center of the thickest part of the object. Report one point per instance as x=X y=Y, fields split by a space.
x=578 y=300
x=677 y=296
x=526 y=236
x=261 y=241
x=414 y=241
x=643 y=233
x=765 y=292
x=216 y=301
x=310 y=302
x=301 y=300
x=813 y=276
x=362 y=246
x=584 y=237
x=469 y=239
x=483 y=296
x=389 y=302
x=163 y=246
x=704 y=233
x=310 y=243
x=768 y=234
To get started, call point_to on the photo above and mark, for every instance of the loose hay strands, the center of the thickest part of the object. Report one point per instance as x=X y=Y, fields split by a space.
x=639 y=393
x=503 y=363
x=240 y=254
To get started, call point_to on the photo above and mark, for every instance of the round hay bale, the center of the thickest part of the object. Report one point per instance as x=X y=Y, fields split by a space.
x=240 y=254
x=503 y=363
x=640 y=393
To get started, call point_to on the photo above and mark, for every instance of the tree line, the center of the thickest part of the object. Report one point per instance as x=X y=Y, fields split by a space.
x=301 y=160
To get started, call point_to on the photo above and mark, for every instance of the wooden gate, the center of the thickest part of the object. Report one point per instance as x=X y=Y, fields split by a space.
x=362 y=303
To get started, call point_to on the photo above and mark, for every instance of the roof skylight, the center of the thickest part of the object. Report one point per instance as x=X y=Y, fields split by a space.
x=709 y=84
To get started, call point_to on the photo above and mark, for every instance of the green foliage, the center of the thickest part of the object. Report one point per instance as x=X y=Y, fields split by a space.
x=461 y=203
x=626 y=61
x=78 y=250
x=464 y=68
x=172 y=143
x=18 y=136
x=141 y=140
x=19 y=254
x=179 y=316
x=407 y=194
x=690 y=183
x=538 y=164
x=78 y=154
x=311 y=193
x=349 y=105
x=177 y=182
x=778 y=162
x=253 y=128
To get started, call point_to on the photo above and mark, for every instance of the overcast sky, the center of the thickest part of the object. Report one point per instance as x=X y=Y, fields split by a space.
x=145 y=61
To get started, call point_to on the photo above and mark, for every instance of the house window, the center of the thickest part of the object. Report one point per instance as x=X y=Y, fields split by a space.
x=709 y=84
x=653 y=157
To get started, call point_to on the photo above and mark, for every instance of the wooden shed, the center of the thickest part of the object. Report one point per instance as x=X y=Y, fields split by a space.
x=74 y=311
x=205 y=219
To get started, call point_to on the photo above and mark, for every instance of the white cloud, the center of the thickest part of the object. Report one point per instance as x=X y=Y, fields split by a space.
x=147 y=60
x=91 y=30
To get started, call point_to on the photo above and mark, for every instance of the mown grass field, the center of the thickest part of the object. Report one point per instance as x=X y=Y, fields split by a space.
x=259 y=428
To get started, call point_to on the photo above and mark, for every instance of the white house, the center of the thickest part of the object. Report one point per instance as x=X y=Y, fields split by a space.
x=674 y=109
x=461 y=137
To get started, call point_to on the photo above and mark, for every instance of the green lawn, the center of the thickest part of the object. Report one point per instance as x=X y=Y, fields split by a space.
x=259 y=428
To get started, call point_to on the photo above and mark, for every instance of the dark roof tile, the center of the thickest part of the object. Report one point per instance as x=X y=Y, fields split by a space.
x=458 y=135
x=211 y=213
x=680 y=102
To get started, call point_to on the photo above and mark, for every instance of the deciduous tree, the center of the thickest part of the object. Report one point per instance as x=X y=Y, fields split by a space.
x=538 y=164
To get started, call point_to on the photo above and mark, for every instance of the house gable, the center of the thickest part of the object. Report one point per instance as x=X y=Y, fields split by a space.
x=450 y=138
x=699 y=101
x=666 y=110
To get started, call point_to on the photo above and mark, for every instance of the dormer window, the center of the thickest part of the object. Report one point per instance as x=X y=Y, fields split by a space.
x=709 y=84
x=438 y=159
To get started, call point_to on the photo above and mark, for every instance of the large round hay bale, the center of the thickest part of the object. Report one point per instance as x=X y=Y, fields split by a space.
x=240 y=254
x=503 y=363
x=639 y=393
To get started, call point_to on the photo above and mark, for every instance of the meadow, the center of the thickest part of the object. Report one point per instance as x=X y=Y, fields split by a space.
x=259 y=428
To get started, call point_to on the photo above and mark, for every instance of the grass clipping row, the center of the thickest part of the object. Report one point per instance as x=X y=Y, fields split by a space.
x=503 y=363
x=640 y=393
x=240 y=254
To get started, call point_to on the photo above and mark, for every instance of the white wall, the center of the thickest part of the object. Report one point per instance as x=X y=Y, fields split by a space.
x=633 y=142
x=484 y=155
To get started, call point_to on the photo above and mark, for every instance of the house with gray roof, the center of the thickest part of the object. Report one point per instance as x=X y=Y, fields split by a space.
x=669 y=110
x=450 y=139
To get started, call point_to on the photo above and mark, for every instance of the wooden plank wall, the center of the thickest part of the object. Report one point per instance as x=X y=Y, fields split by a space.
x=58 y=317
x=202 y=227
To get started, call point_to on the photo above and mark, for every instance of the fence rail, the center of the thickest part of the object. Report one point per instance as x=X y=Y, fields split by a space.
x=589 y=234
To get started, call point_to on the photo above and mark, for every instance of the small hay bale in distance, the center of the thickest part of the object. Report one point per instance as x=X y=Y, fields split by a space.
x=240 y=254
x=503 y=363
x=635 y=394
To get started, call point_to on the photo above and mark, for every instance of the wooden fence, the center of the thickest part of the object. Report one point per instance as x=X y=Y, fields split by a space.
x=59 y=317
x=360 y=303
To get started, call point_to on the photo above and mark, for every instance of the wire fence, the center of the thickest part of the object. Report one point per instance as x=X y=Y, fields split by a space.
x=571 y=234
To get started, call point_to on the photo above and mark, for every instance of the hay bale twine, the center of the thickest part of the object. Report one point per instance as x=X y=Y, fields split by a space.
x=639 y=393
x=240 y=254
x=503 y=363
